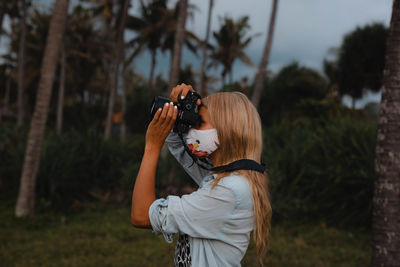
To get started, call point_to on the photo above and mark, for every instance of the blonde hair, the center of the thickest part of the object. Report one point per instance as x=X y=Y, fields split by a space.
x=240 y=136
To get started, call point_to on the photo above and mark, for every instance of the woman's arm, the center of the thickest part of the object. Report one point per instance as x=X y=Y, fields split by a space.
x=144 y=191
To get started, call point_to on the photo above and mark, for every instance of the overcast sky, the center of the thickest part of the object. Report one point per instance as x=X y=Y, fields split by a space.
x=304 y=31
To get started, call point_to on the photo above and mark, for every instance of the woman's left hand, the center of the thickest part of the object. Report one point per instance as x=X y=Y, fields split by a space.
x=161 y=126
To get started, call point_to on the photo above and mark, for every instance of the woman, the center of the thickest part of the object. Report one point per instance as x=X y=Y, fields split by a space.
x=214 y=223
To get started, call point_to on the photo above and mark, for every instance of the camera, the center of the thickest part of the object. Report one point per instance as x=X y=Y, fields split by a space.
x=188 y=111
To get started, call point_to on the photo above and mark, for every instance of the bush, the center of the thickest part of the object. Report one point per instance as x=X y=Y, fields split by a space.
x=74 y=165
x=322 y=169
x=12 y=149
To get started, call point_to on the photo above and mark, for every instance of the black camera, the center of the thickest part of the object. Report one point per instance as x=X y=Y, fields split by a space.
x=188 y=111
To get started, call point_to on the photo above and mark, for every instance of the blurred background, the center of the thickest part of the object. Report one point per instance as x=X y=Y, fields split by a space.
x=313 y=68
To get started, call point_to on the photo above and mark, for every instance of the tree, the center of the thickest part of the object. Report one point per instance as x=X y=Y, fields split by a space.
x=151 y=27
x=230 y=45
x=287 y=89
x=203 y=88
x=121 y=57
x=21 y=63
x=178 y=43
x=118 y=58
x=262 y=69
x=26 y=195
x=386 y=202
x=61 y=89
x=361 y=60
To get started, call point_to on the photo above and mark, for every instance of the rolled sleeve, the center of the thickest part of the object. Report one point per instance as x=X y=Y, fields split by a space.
x=157 y=215
x=201 y=214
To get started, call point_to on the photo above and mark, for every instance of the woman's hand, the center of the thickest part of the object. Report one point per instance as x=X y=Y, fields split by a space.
x=183 y=90
x=161 y=126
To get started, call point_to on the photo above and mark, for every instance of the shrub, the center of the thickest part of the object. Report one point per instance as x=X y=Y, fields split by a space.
x=12 y=149
x=322 y=169
x=73 y=164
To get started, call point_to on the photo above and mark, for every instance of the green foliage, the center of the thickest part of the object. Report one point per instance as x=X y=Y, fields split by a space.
x=74 y=164
x=287 y=89
x=360 y=61
x=322 y=168
x=80 y=117
x=138 y=111
x=12 y=149
x=231 y=40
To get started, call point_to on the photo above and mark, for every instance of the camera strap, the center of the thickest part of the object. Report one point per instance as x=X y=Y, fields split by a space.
x=242 y=164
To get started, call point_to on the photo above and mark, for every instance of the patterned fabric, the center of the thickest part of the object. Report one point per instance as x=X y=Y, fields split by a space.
x=182 y=252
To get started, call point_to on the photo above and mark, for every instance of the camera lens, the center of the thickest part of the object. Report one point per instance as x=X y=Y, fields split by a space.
x=188 y=106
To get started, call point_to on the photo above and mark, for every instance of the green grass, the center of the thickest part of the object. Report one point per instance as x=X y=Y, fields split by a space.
x=101 y=235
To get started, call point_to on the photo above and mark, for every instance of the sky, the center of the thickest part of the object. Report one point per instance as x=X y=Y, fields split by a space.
x=304 y=31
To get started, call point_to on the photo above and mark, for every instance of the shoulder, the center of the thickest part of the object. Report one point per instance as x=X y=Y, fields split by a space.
x=241 y=189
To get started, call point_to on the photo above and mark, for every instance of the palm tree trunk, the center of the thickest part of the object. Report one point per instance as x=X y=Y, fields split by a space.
x=178 y=44
x=262 y=69
x=61 y=89
x=26 y=196
x=152 y=67
x=203 y=87
x=118 y=53
x=21 y=59
x=123 y=110
x=121 y=56
x=386 y=202
x=110 y=109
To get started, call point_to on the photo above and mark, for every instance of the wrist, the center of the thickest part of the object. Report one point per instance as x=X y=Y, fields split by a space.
x=151 y=147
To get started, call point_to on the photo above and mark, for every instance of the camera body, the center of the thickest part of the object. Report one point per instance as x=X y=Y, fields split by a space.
x=188 y=111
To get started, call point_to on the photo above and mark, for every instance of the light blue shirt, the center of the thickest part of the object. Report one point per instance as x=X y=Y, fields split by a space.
x=218 y=221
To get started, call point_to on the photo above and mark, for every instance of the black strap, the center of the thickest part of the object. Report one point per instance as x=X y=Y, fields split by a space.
x=242 y=164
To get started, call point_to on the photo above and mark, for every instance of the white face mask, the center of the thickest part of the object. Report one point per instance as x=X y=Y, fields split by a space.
x=202 y=142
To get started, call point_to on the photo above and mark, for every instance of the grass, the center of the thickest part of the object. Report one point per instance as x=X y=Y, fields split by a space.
x=101 y=235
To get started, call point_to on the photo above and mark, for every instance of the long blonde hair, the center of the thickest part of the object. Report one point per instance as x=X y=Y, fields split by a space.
x=240 y=136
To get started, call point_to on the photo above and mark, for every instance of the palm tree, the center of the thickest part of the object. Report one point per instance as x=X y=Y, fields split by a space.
x=203 y=88
x=21 y=61
x=386 y=202
x=151 y=27
x=118 y=57
x=262 y=69
x=61 y=89
x=26 y=196
x=178 y=42
x=230 y=45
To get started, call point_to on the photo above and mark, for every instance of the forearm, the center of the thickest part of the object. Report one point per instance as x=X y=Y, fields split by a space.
x=144 y=191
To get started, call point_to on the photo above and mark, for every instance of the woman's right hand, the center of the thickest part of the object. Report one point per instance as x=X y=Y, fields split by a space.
x=161 y=125
x=183 y=90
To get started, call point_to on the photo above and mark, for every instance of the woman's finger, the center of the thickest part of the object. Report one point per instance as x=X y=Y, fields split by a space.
x=157 y=114
x=174 y=94
x=164 y=111
x=169 y=114
x=173 y=118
